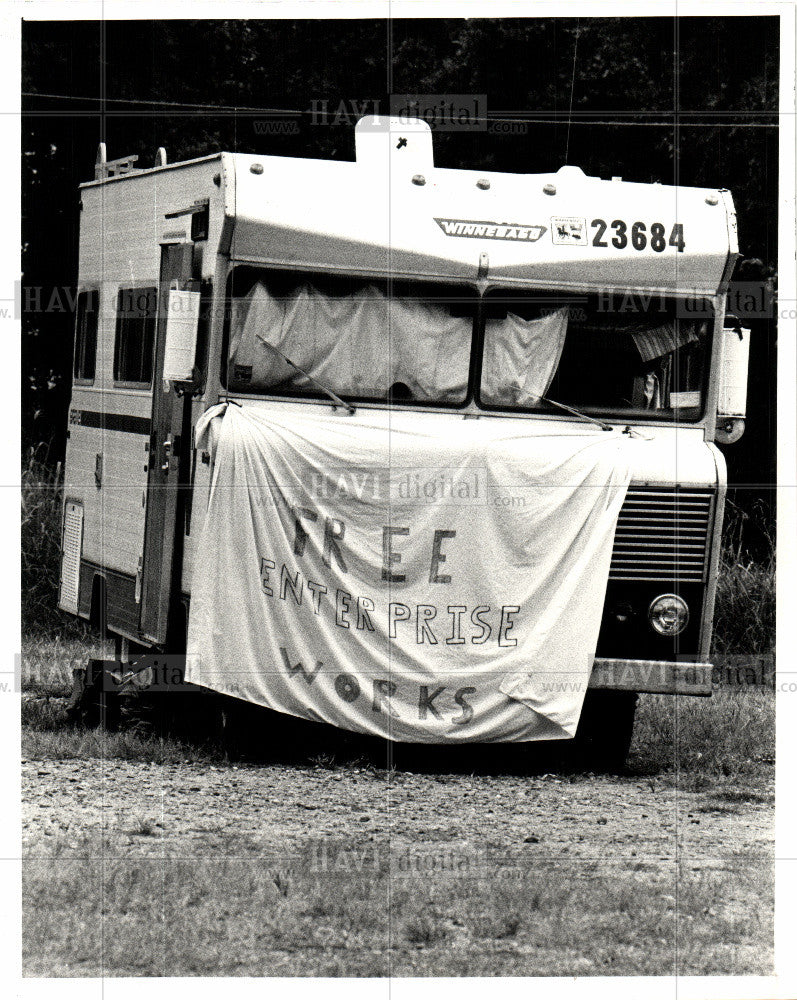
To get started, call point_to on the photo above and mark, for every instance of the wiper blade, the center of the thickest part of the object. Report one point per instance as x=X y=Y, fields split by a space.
x=577 y=413
x=311 y=378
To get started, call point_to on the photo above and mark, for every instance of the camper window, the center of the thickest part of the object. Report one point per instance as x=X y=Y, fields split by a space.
x=640 y=356
x=363 y=339
x=86 y=335
x=135 y=336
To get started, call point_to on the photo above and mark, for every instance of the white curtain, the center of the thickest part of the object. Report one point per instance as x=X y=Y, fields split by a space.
x=655 y=342
x=359 y=344
x=521 y=357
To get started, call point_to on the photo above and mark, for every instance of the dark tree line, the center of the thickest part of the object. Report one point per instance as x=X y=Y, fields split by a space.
x=720 y=73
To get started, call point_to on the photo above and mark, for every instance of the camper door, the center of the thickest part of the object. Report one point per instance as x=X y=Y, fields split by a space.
x=170 y=422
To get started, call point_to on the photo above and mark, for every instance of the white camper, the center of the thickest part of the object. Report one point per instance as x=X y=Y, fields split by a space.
x=388 y=296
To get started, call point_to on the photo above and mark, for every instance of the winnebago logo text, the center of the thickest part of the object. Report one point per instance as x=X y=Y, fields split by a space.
x=490 y=230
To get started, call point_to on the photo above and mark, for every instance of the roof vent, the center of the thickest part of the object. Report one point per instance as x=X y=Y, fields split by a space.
x=571 y=173
x=398 y=143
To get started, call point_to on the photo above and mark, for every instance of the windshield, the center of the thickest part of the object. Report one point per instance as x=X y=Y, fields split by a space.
x=362 y=339
x=410 y=343
x=628 y=355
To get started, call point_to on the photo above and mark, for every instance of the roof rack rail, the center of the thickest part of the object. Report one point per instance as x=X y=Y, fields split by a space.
x=104 y=167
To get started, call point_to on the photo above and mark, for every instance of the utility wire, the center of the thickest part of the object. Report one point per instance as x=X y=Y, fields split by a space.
x=572 y=88
x=170 y=104
x=518 y=118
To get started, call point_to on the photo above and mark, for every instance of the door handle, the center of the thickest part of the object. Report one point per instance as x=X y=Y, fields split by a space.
x=167 y=453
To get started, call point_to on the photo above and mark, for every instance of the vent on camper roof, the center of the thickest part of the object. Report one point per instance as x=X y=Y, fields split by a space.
x=70 y=559
x=383 y=143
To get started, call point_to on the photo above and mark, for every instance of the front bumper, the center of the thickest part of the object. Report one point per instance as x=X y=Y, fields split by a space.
x=651 y=676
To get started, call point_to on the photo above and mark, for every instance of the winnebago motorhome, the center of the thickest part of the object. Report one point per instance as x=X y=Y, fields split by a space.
x=419 y=452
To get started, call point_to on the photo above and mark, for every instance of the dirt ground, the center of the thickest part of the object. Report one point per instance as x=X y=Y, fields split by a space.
x=274 y=811
x=358 y=871
x=144 y=855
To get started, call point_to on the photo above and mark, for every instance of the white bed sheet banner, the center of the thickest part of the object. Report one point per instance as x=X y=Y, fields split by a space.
x=426 y=578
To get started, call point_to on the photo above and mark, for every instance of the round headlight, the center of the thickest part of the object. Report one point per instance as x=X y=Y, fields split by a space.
x=668 y=614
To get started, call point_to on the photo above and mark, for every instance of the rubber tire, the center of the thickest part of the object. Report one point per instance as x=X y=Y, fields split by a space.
x=98 y=706
x=605 y=731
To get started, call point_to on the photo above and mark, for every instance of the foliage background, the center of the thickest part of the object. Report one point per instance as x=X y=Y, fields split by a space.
x=686 y=100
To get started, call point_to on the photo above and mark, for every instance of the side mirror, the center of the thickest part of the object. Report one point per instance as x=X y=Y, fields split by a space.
x=732 y=396
x=182 y=324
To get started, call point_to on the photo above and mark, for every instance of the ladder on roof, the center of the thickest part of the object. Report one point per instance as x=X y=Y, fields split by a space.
x=103 y=167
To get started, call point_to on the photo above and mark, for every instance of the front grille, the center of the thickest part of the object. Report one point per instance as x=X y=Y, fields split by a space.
x=662 y=534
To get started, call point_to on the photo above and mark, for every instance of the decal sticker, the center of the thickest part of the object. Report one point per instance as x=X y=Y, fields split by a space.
x=485 y=230
x=568 y=231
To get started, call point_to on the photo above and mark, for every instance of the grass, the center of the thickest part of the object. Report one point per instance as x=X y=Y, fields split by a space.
x=144 y=826
x=229 y=916
x=730 y=736
x=42 y=498
x=46 y=680
x=46 y=735
x=46 y=677
x=744 y=615
x=48 y=660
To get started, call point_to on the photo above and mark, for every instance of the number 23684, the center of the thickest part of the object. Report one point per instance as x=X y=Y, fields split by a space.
x=621 y=234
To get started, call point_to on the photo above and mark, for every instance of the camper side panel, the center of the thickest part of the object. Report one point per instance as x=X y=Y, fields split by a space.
x=123 y=223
